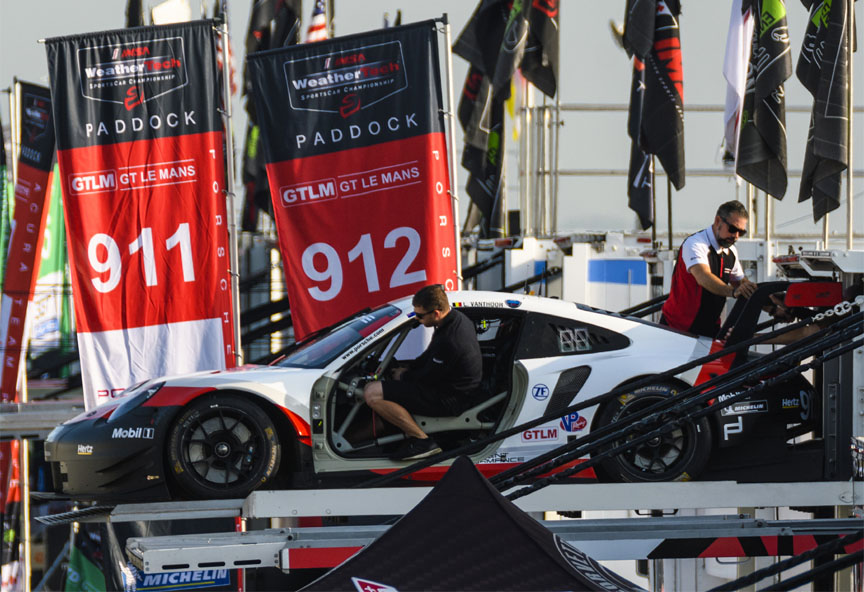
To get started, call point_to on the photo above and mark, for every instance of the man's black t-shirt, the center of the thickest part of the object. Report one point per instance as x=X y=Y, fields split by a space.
x=452 y=363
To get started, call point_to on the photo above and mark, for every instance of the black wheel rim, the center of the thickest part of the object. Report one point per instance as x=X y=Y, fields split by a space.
x=660 y=455
x=223 y=447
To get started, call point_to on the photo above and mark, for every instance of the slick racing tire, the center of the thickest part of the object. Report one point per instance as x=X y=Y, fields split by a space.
x=678 y=455
x=222 y=446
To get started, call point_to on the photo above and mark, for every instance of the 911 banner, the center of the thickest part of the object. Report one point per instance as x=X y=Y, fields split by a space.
x=140 y=148
x=25 y=245
x=357 y=164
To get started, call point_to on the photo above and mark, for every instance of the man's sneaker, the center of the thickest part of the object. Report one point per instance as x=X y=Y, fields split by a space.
x=415 y=449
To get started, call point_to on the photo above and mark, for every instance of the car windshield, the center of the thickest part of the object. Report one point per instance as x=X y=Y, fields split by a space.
x=323 y=349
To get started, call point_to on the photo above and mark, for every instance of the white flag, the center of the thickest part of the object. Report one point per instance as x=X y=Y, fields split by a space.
x=735 y=71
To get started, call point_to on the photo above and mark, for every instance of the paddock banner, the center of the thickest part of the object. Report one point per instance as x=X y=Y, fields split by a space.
x=28 y=222
x=357 y=165
x=140 y=147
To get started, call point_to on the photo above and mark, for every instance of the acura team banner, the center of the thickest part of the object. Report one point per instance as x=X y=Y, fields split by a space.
x=25 y=244
x=140 y=148
x=353 y=138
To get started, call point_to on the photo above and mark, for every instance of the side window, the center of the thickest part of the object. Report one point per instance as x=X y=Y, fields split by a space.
x=548 y=336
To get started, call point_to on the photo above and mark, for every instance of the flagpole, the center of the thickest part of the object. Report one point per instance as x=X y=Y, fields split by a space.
x=15 y=126
x=850 y=24
x=229 y=188
x=669 y=207
x=654 y=206
x=451 y=148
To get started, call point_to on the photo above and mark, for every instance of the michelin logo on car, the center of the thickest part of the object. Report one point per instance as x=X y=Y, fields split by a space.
x=133 y=433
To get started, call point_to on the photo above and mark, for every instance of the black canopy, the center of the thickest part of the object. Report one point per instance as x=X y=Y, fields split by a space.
x=466 y=536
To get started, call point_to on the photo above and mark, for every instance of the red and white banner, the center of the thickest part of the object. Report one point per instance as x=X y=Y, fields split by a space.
x=357 y=165
x=25 y=244
x=140 y=147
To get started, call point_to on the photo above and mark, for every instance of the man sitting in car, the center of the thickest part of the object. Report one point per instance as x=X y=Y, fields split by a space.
x=438 y=383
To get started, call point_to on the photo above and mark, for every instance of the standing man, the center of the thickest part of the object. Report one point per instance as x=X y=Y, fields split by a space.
x=439 y=382
x=707 y=272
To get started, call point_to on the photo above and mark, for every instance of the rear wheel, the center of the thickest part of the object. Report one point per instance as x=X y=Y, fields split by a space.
x=223 y=446
x=678 y=455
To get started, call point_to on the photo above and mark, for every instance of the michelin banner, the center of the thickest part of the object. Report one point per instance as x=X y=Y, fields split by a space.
x=140 y=148
x=353 y=139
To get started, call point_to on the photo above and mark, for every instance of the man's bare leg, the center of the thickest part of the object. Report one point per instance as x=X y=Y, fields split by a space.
x=373 y=394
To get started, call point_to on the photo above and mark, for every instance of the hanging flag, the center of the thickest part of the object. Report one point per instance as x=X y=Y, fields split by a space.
x=735 y=72
x=272 y=24
x=356 y=132
x=823 y=69
x=540 y=61
x=134 y=13
x=46 y=321
x=318 y=23
x=140 y=147
x=762 y=139
x=640 y=178
x=25 y=244
x=639 y=28
x=512 y=49
x=486 y=189
x=663 y=101
x=11 y=568
x=480 y=40
x=5 y=207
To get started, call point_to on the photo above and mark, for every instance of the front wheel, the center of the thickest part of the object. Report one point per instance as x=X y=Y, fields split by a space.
x=678 y=455
x=223 y=446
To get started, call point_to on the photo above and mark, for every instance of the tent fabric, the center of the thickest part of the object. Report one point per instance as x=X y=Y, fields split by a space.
x=465 y=535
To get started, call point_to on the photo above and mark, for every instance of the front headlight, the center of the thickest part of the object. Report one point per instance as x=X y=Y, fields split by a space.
x=135 y=397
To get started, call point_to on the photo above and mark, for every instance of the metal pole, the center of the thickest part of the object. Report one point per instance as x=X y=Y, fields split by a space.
x=229 y=186
x=451 y=148
x=525 y=205
x=825 y=232
x=544 y=163
x=769 y=217
x=15 y=126
x=669 y=208
x=525 y=133
x=850 y=28
x=654 y=206
x=556 y=136
x=750 y=211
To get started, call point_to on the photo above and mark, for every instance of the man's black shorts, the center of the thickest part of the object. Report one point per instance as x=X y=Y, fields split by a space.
x=417 y=397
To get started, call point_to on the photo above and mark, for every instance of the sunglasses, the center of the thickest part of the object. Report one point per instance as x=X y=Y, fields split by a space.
x=740 y=231
x=420 y=315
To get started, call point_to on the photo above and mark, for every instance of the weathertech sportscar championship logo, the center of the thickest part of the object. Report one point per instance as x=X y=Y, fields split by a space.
x=132 y=73
x=347 y=81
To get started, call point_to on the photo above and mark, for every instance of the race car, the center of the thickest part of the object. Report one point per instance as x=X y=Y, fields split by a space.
x=301 y=422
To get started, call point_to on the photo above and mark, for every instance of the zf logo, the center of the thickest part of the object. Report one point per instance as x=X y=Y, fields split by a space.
x=540 y=392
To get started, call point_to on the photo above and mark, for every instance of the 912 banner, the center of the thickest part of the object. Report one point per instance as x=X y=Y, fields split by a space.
x=140 y=148
x=357 y=166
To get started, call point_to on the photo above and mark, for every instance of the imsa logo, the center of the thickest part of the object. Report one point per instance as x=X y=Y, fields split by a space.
x=133 y=433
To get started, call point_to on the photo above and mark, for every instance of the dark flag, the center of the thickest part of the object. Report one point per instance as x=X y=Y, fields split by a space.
x=639 y=27
x=540 y=60
x=134 y=13
x=480 y=40
x=663 y=103
x=762 y=139
x=656 y=119
x=641 y=175
x=487 y=189
x=272 y=24
x=512 y=49
x=823 y=70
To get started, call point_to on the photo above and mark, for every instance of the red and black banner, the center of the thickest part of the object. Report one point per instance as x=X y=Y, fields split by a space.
x=357 y=165
x=25 y=244
x=140 y=147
